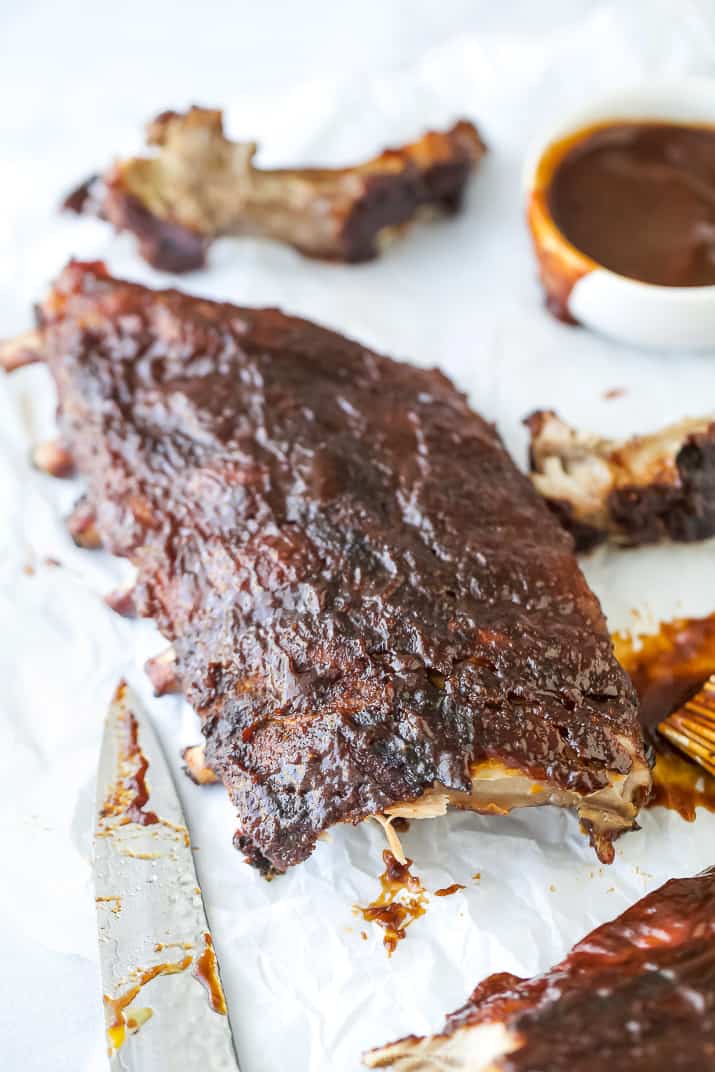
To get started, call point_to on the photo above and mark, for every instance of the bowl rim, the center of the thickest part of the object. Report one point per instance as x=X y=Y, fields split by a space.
x=562 y=133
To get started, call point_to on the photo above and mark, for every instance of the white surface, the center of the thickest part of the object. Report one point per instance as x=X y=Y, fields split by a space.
x=304 y=989
x=677 y=318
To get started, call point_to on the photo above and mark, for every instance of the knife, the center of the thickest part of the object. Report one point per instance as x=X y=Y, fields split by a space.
x=163 y=1001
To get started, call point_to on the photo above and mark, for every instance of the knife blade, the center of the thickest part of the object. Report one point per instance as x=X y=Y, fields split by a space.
x=163 y=1000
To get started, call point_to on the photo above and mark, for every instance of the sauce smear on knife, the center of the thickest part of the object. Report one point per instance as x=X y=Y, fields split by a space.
x=130 y=793
x=116 y=1009
x=206 y=971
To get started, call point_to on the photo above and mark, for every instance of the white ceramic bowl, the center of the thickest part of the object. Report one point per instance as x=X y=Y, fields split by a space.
x=638 y=313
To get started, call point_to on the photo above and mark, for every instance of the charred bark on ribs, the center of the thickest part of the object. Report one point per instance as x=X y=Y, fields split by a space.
x=643 y=490
x=636 y=995
x=199 y=185
x=370 y=608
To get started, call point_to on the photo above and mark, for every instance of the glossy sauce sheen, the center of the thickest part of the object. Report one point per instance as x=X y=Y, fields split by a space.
x=206 y=971
x=638 y=994
x=447 y=891
x=667 y=668
x=365 y=596
x=402 y=901
x=639 y=198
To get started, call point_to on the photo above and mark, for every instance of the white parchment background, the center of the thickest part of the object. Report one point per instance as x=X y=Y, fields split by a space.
x=305 y=990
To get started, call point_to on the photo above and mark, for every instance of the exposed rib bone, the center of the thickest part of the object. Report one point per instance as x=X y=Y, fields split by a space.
x=52 y=458
x=82 y=526
x=24 y=349
x=393 y=841
x=121 y=600
x=195 y=766
x=161 y=671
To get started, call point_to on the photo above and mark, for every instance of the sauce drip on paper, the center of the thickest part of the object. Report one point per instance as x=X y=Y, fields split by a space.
x=401 y=902
x=447 y=891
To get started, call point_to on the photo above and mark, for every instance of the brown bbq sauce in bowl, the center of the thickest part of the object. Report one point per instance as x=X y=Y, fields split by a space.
x=638 y=198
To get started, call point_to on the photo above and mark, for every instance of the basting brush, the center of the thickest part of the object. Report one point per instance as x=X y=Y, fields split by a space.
x=691 y=729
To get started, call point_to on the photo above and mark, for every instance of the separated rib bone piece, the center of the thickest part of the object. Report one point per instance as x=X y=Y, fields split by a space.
x=393 y=841
x=200 y=185
x=637 y=491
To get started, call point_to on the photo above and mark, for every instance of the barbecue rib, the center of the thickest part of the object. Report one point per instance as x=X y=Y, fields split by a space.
x=636 y=995
x=370 y=608
x=199 y=186
x=643 y=490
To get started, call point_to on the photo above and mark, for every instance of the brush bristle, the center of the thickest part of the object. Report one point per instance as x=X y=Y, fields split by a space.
x=692 y=729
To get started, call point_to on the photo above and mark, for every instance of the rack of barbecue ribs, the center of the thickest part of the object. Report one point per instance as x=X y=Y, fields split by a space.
x=643 y=490
x=199 y=185
x=369 y=606
x=636 y=995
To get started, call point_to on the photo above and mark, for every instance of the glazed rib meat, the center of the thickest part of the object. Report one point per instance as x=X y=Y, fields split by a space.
x=370 y=608
x=636 y=995
x=642 y=490
x=199 y=185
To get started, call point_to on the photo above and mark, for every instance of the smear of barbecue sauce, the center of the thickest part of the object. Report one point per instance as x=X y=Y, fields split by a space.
x=403 y=900
x=206 y=971
x=130 y=793
x=128 y=797
x=447 y=891
x=114 y=902
x=120 y=1020
x=667 y=669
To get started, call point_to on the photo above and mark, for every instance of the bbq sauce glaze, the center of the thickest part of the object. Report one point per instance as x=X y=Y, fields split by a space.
x=364 y=594
x=637 y=993
x=639 y=199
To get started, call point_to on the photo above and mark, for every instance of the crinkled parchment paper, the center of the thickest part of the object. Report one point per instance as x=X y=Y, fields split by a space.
x=306 y=991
